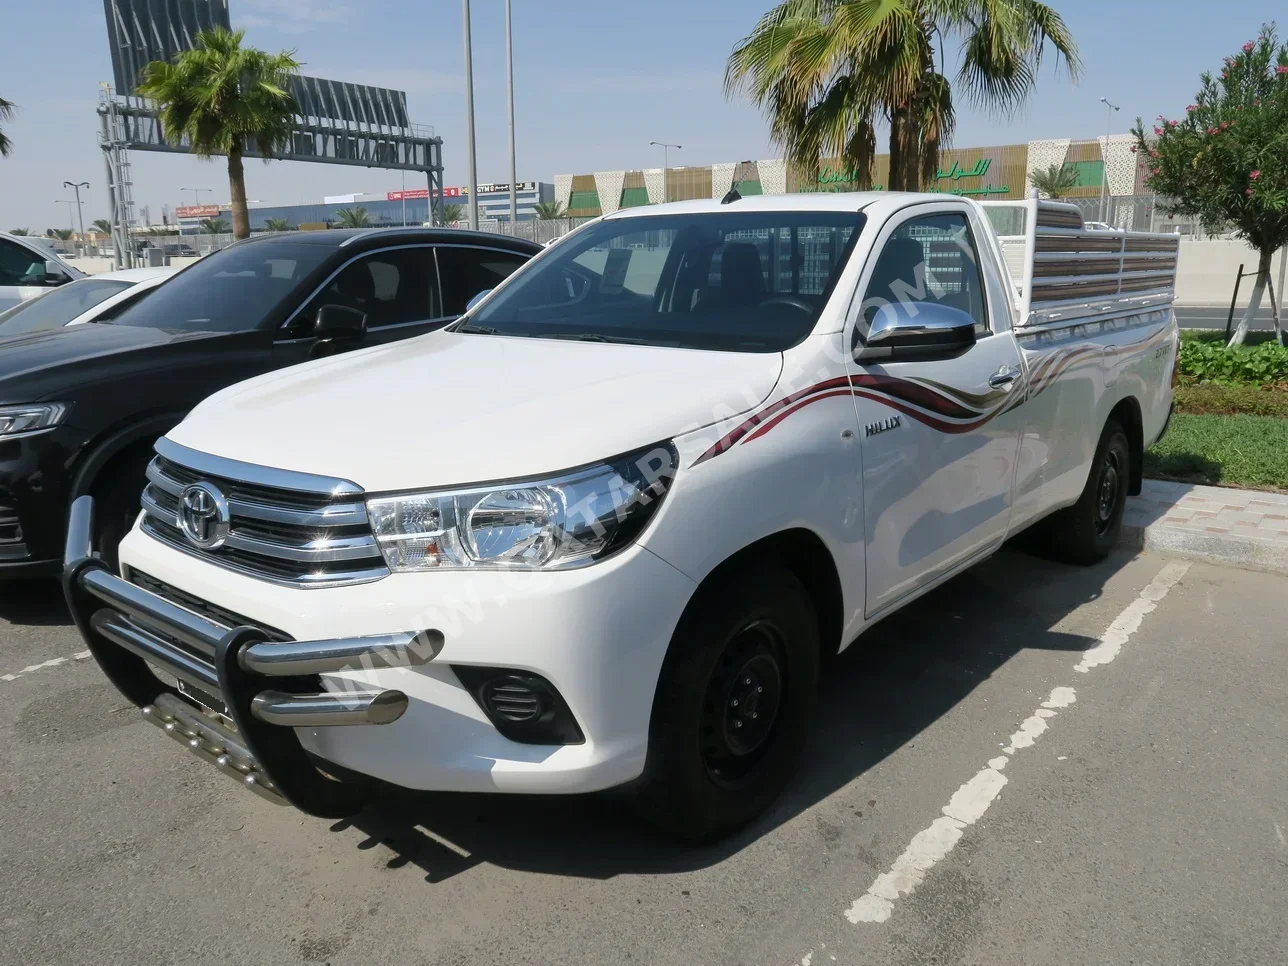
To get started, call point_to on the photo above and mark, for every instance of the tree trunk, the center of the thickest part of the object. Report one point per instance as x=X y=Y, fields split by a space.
x=898 y=120
x=1254 y=303
x=237 y=193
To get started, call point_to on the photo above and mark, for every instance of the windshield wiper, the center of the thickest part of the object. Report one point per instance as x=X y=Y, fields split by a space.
x=471 y=328
x=593 y=337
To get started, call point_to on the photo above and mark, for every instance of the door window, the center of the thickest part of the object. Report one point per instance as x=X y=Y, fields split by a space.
x=20 y=265
x=467 y=271
x=390 y=287
x=929 y=259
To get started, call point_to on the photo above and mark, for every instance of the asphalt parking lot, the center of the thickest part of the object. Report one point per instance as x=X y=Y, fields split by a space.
x=1036 y=764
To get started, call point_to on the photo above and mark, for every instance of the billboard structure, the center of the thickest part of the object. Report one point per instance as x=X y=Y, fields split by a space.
x=337 y=122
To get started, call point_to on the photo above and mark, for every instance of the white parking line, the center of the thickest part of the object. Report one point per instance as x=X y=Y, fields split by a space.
x=969 y=803
x=52 y=662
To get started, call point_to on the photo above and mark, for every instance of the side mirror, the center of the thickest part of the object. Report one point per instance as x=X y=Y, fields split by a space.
x=918 y=328
x=55 y=274
x=477 y=299
x=339 y=322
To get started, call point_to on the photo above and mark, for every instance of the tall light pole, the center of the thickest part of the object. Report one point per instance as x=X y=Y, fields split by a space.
x=68 y=202
x=76 y=186
x=666 y=165
x=196 y=194
x=509 y=85
x=1104 y=161
x=473 y=208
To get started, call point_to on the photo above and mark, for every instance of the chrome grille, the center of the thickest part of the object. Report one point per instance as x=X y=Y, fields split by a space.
x=308 y=532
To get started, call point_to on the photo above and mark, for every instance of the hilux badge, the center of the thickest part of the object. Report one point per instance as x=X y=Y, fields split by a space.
x=874 y=429
x=203 y=516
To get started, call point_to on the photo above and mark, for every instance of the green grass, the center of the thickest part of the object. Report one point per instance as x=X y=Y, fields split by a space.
x=1247 y=451
x=1231 y=400
x=1254 y=338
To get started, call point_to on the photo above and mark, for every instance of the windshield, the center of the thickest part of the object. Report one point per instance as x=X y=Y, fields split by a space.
x=737 y=281
x=234 y=290
x=59 y=306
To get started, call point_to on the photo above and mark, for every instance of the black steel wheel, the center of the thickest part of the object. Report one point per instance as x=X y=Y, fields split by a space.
x=733 y=703
x=1087 y=531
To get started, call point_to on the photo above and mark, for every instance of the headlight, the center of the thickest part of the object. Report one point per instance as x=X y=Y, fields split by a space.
x=21 y=420
x=566 y=521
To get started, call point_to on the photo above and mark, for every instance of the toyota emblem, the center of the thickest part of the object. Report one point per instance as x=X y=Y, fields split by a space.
x=203 y=516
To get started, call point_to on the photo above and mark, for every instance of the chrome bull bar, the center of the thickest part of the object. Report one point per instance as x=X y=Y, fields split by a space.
x=268 y=687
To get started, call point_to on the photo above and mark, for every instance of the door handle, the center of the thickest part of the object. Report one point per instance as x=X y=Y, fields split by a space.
x=1004 y=378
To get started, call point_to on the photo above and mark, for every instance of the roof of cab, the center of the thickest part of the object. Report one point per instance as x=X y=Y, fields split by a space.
x=806 y=201
x=345 y=237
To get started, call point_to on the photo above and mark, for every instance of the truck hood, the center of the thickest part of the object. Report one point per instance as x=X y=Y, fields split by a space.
x=449 y=408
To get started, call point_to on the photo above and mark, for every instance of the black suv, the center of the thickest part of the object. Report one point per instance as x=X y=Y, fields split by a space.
x=81 y=406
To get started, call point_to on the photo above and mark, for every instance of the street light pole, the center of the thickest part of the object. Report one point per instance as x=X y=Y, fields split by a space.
x=196 y=194
x=1104 y=160
x=473 y=208
x=666 y=166
x=77 y=185
x=509 y=84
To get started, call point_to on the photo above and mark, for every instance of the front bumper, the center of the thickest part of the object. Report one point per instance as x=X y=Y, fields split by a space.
x=34 y=477
x=597 y=636
x=264 y=687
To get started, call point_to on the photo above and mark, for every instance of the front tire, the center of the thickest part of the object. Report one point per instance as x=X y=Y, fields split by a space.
x=733 y=704
x=118 y=504
x=1088 y=531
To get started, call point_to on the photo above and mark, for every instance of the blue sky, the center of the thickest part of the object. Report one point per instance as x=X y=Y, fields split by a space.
x=596 y=81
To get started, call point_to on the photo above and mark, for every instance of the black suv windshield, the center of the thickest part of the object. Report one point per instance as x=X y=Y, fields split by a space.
x=234 y=290
x=749 y=281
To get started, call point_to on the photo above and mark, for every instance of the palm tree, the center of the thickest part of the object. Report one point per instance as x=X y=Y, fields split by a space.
x=277 y=224
x=452 y=213
x=353 y=218
x=214 y=226
x=825 y=71
x=62 y=234
x=102 y=226
x=7 y=111
x=1055 y=181
x=549 y=210
x=220 y=97
x=20 y=231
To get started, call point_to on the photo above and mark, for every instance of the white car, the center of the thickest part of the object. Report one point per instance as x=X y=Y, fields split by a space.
x=29 y=267
x=93 y=298
x=610 y=527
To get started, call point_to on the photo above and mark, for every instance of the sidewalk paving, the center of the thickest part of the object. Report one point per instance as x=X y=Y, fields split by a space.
x=1245 y=528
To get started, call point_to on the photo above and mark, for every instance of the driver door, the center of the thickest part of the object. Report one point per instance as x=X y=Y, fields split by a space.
x=940 y=431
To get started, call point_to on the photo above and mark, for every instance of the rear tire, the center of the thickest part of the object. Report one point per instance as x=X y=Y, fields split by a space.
x=1088 y=531
x=733 y=704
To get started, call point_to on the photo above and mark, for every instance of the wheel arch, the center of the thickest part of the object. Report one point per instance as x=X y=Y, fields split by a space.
x=1127 y=413
x=805 y=554
x=124 y=443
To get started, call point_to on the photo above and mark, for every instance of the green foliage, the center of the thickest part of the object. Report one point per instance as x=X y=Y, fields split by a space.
x=103 y=226
x=1055 y=181
x=1233 y=450
x=62 y=234
x=218 y=96
x=214 y=226
x=454 y=213
x=353 y=218
x=1217 y=400
x=825 y=71
x=7 y=111
x=278 y=224
x=1226 y=161
x=550 y=210
x=20 y=231
x=1218 y=336
x=1208 y=362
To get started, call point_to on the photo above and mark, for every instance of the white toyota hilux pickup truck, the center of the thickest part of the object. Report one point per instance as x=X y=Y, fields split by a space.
x=607 y=530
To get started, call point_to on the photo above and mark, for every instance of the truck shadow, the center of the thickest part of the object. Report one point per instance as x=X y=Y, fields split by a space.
x=887 y=688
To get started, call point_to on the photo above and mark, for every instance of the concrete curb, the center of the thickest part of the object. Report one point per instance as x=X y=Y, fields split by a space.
x=1238 y=528
x=1231 y=550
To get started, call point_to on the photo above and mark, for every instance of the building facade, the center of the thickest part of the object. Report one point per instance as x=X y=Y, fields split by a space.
x=999 y=173
x=385 y=209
